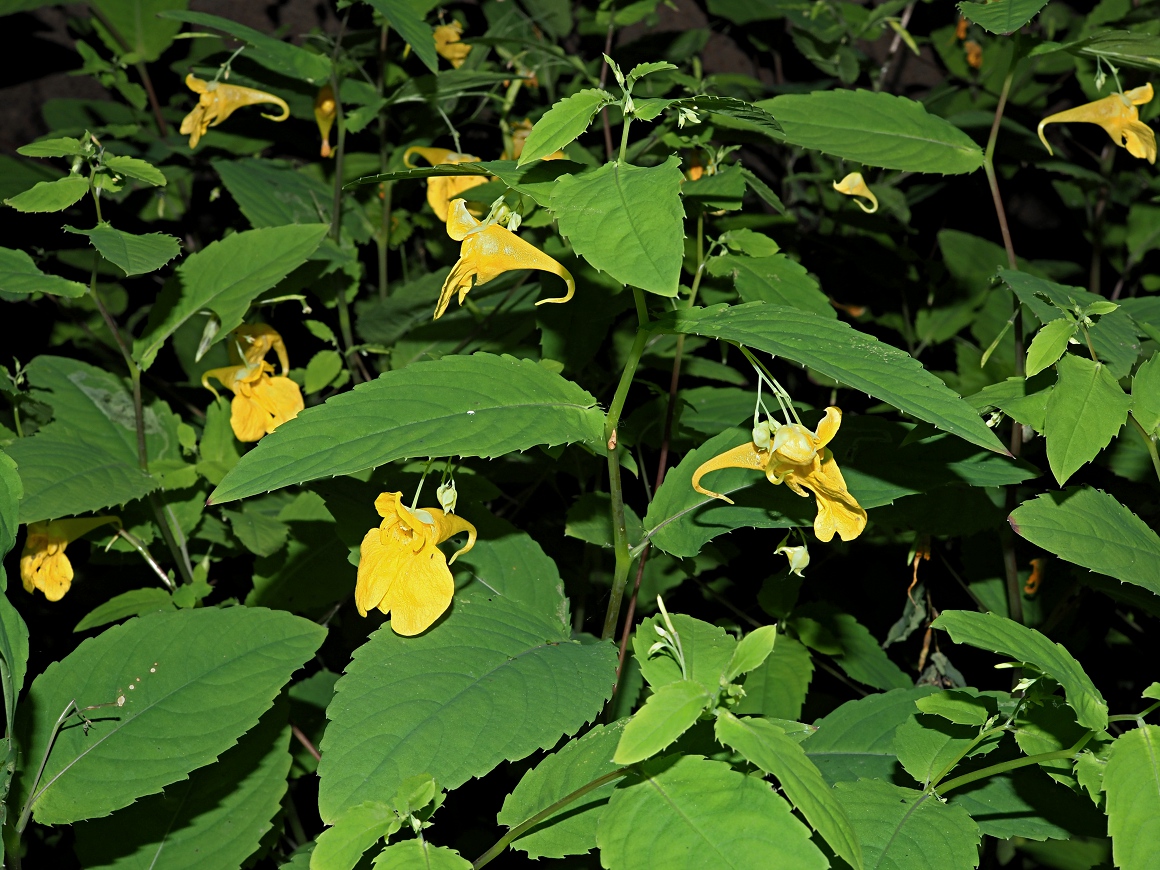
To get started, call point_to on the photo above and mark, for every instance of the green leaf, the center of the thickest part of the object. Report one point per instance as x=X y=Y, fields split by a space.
x=225 y=277
x=856 y=741
x=481 y=405
x=739 y=110
x=260 y=533
x=194 y=680
x=1049 y=344
x=11 y=491
x=1089 y=527
x=667 y=714
x=860 y=655
x=876 y=129
x=271 y=194
x=341 y=846
x=14 y=649
x=1002 y=16
x=707 y=648
x=411 y=27
x=288 y=579
x=643 y=69
x=216 y=818
x=145 y=35
x=775 y=279
x=778 y=688
x=1084 y=412
x=133 y=254
x=494 y=681
x=135 y=602
x=927 y=746
x=626 y=221
x=274 y=54
x=571 y=830
x=322 y=369
x=19 y=275
x=86 y=458
x=961 y=706
x=686 y=811
x=562 y=123
x=834 y=349
x=589 y=519
x=217 y=449
x=767 y=746
x=751 y=651
x=1025 y=803
x=46 y=196
x=991 y=632
x=64 y=146
x=1146 y=394
x=901 y=828
x=136 y=168
x=413 y=854
x=1132 y=783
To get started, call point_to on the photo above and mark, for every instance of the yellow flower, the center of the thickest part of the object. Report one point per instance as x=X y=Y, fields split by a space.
x=799 y=458
x=799 y=558
x=261 y=403
x=1118 y=115
x=443 y=188
x=402 y=571
x=448 y=46
x=519 y=138
x=489 y=250
x=43 y=564
x=974 y=54
x=325 y=111
x=854 y=185
x=218 y=101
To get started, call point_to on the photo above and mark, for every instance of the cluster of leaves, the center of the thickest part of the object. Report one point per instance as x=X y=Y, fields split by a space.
x=228 y=705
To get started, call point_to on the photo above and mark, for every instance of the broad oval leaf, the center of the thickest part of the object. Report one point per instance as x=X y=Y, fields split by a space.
x=480 y=405
x=1002 y=16
x=876 y=129
x=627 y=221
x=134 y=167
x=667 y=714
x=19 y=275
x=991 y=632
x=48 y=196
x=1132 y=783
x=1084 y=412
x=412 y=854
x=132 y=254
x=686 y=811
x=562 y=123
x=192 y=683
x=836 y=350
x=492 y=681
x=1089 y=527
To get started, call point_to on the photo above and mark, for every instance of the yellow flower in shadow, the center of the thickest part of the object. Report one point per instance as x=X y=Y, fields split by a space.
x=325 y=110
x=489 y=250
x=261 y=402
x=799 y=458
x=519 y=138
x=1119 y=117
x=448 y=46
x=854 y=185
x=401 y=569
x=43 y=564
x=218 y=101
x=443 y=188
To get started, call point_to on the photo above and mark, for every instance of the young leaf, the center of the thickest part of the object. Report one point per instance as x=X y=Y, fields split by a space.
x=562 y=123
x=666 y=715
x=643 y=69
x=411 y=854
x=751 y=651
x=492 y=679
x=927 y=745
x=961 y=706
x=411 y=27
x=135 y=602
x=778 y=688
x=64 y=146
x=19 y=275
x=195 y=679
x=749 y=114
x=1145 y=394
x=132 y=254
x=1049 y=344
x=876 y=129
x=691 y=812
x=48 y=196
x=1132 y=783
x=225 y=277
x=341 y=846
x=836 y=350
x=135 y=168
x=775 y=279
x=571 y=830
x=767 y=746
x=991 y=632
x=1002 y=16
x=627 y=221
x=479 y=405
x=904 y=828
x=215 y=818
x=323 y=368
x=1089 y=527
x=1085 y=411
x=707 y=648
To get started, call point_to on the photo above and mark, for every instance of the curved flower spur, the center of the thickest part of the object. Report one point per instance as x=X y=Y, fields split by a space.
x=1119 y=117
x=217 y=101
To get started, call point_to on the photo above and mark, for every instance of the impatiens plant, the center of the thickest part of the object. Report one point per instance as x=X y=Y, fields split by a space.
x=813 y=525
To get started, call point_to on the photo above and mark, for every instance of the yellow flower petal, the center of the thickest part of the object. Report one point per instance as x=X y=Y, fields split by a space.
x=486 y=253
x=447 y=44
x=217 y=101
x=838 y=511
x=1119 y=117
x=43 y=563
x=854 y=185
x=443 y=188
x=744 y=456
x=261 y=402
x=325 y=111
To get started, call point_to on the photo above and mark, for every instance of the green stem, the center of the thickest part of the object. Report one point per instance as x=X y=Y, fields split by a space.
x=522 y=828
x=624 y=137
x=619 y=531
x=1148 y=442
x=995 y=769
x=69 y=710
x=1134 y=717
x=983 y=735
x=336 y=208
x=385 y=223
